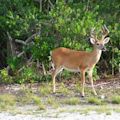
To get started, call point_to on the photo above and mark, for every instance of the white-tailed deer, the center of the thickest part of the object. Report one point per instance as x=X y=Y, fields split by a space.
x=80 y=61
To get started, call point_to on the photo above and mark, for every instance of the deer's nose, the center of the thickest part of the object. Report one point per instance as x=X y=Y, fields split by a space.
x=104 y=48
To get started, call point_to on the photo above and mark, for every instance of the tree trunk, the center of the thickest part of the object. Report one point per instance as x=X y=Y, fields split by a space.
x=10 y=47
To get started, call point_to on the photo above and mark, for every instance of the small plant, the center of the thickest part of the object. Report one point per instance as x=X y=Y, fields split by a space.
x=66 y=74
x=72 y=101
x=77 y=87
x=103 y=109
x=45 y=89
x=36 y=100
x=25 y=96
x=7 y=100
x=5 y=78
x=63 y=89
x=14 y=62
x=41 y=107
x=52 y=101
x=108 y=113
x=95 y=101
x=116 y=99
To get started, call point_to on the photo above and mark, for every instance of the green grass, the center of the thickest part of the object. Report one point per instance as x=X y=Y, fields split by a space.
x=96 y=101
x=116 y=99
x=41 y=107
x=78 y=87
x=104 y=109
x=42 y=99
x=63 y=89
x=25 y=96
x=72 y=101
x=52 y=102
x=28 y=97
x=108 y=113
x=7 y=100
x=45 y=89
x=36 y=100
x=117 y=110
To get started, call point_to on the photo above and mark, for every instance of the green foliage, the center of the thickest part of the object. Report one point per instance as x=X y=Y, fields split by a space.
x=18 y=16
x=95 y=74
x=27 y=75
x=5 y=78
x=42 y=47
x=6 y=101
x=82 y=21
x=116 y=99
x=14 y=62
x=94 y=100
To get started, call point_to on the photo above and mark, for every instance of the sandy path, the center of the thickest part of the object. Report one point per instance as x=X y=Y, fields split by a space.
x=78 y=112
x=62 y=116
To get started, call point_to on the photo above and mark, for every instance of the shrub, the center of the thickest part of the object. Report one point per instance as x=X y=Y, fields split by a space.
x=116 y=99
x=94 y=100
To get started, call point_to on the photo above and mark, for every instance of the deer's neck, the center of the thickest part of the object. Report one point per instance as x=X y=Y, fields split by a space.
x=96 y=54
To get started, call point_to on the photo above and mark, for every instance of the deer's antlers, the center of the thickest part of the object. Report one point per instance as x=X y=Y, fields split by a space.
x=104 y=31
x=93 y=34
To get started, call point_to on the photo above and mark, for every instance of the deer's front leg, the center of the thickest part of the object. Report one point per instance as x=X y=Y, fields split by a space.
x=91 y=80
x=53 y=78
x=54 y=74
x=83 y=81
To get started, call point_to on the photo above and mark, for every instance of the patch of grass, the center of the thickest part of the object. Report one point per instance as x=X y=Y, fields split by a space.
x=36 y=100
x=85 y=111
x=45 y=89
x=78 y=87
x=96 y=101
x=53 y=102
x=41 y=107
x=50 y=100
x=117 y=110
x=63 y=89
x=116 y=99
x=7 y=100
x=103 y=109
x=25 y=96
x=72 y=101
x=108 y=113
x=99 y=109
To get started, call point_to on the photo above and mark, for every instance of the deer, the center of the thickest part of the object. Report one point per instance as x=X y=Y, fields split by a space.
x=80 y=61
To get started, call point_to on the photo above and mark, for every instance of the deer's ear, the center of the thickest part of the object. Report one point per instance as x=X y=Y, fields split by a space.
x=92 y=40
x=106 y=40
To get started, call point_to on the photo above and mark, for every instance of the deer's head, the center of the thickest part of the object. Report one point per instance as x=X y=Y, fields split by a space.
x=100 y=43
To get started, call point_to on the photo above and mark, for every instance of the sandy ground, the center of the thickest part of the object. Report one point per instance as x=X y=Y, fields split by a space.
x=65 y=113
x=62 y=113
x=62 y=116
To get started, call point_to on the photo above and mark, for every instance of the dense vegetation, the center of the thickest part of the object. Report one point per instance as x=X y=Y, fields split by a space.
x=30 y=29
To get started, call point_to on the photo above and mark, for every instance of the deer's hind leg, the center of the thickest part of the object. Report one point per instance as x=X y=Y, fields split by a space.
x=83 y=81
x=91 y=80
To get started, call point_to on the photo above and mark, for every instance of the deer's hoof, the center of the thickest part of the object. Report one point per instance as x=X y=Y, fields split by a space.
x=83 y=95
